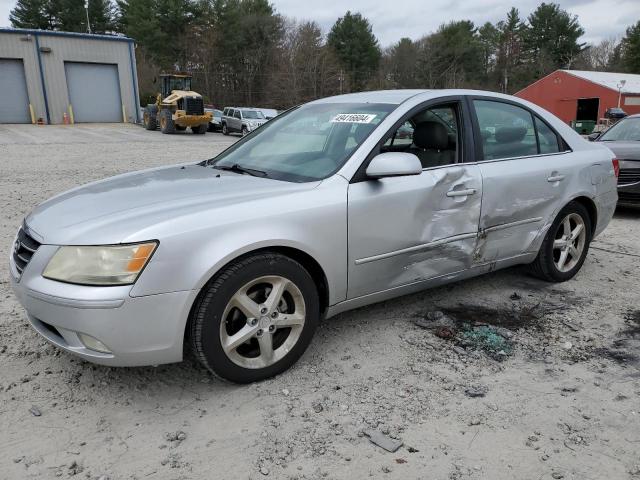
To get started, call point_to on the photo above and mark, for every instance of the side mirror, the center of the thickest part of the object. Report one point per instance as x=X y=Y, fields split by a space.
x=594 y=136
x=394 y=164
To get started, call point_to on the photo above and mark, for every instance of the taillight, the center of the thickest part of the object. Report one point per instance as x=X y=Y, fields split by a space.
x=616 y=167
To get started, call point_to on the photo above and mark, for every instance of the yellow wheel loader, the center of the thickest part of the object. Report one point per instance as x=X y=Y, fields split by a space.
x=177 y=107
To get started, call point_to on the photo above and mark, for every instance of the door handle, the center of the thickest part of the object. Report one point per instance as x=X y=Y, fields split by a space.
x=555 y=178
x=461 y=193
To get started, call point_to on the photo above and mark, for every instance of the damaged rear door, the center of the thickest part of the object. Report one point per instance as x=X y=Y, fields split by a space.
x=404 y=230
x=524 y=175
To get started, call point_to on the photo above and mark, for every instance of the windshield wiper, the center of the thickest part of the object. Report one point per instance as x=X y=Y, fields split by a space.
x=239 y=169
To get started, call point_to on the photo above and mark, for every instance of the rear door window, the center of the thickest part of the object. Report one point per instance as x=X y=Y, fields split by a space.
x=506 y=130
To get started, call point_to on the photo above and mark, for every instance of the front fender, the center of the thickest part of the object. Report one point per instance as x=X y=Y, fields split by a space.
x=314 y=223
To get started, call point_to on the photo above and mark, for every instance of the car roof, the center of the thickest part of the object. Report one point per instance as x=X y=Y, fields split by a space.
x=396 y=97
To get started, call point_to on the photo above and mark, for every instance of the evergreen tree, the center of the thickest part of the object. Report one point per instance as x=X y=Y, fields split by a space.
x=510 y=45
x=552 y=39
x=630 y=49
x=64 y=15
x=356 y=47
x=31 y=14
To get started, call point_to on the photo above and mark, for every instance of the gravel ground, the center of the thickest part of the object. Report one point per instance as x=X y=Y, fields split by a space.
x=518 y=379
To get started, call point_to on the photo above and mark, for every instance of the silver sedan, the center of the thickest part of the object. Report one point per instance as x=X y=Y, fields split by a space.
x=333 y=205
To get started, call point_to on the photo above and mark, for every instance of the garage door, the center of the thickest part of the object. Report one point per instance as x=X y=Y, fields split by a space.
x=94 y=92
x=13 y=88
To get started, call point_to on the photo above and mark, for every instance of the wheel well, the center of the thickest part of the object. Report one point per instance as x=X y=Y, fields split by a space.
x=306 y=260
x=587 y=203
x=312 y=266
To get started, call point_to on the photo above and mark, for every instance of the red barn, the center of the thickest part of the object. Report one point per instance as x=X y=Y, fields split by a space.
x=580 y=95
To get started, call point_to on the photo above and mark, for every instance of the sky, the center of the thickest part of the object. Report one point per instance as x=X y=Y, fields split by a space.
x=601 y=19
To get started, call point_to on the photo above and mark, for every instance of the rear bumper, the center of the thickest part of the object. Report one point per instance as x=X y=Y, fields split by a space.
x=136 y=331
x=606 y=206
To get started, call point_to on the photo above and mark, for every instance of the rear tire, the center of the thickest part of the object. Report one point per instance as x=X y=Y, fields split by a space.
x=166 y=122
x=150 y=117
x=200 y=129
x=255 y=318
x=225 y=129
x=565 y=246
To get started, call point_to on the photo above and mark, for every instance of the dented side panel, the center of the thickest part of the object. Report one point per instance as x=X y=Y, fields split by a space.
x=523 y=196
x=407 y=229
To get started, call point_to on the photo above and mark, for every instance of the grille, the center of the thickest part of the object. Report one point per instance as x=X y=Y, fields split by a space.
x=193 y=106
x=629 y=175
x=23 y=250
x=628 y=197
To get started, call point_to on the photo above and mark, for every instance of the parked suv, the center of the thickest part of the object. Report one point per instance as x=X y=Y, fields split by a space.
x=241 y=120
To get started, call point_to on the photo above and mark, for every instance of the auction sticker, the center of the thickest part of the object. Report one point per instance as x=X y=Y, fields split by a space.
x=353 y=118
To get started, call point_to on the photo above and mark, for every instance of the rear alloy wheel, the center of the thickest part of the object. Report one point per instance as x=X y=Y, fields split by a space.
x=256 y=318
x=565 y=246
x=225 y=130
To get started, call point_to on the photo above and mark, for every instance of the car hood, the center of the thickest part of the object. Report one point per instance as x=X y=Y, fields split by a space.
x=624 y=150
x=125 y=208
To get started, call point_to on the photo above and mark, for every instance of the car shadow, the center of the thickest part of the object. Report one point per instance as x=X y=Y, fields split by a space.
x=627 y=212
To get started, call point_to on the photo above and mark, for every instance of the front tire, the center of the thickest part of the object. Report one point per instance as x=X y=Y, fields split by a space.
x=166 y=122
x=150 y=117
x=200 y=129
x=565 y=246
x=255 y=318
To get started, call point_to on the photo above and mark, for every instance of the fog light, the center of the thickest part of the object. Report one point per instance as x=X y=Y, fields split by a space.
x=93 y=343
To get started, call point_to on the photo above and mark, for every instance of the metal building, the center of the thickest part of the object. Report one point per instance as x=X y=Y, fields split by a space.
x=580 y=95
x=58 y=77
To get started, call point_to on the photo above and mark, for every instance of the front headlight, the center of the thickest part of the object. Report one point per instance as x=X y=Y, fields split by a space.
x=99 y=265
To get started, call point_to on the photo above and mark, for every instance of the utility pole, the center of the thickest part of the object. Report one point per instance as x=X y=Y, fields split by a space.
x=620 y=86
x=86 y=9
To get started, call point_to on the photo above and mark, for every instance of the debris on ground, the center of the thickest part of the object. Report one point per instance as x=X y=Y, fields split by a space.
x=178 y=436
x=476 y=391
x=495 y=341
x=35 y=411
x=487 y=339
x=383 y=441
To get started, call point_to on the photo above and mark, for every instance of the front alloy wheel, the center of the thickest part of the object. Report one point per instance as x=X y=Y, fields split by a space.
x=255 y=318
x=262 y=322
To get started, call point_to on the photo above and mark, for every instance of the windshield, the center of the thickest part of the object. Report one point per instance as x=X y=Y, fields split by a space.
x=252 y=114
x=308 y=143
x=625 y=130
x=179 y=83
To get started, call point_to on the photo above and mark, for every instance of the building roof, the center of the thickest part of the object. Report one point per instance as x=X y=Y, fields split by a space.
x=610 y=80
x=55 y=33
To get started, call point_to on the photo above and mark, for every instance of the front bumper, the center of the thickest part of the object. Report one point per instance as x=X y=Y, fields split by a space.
x=629 y=195
x=185 y=120
x=137 y=331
